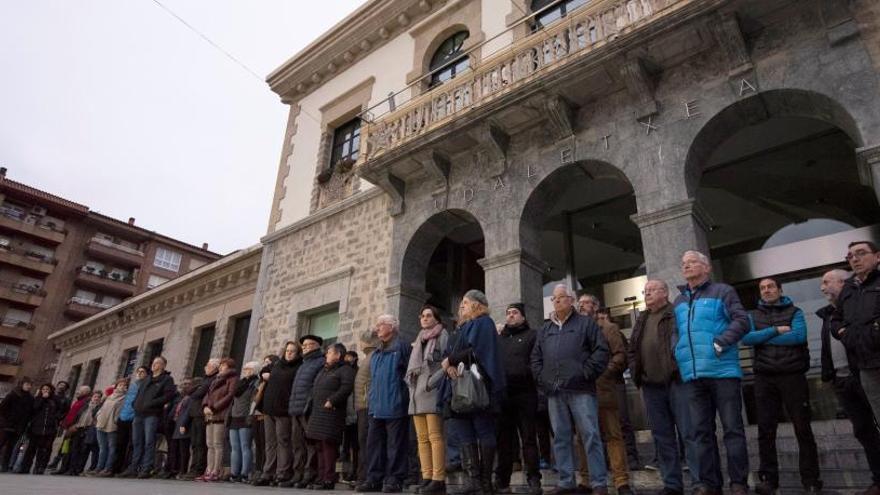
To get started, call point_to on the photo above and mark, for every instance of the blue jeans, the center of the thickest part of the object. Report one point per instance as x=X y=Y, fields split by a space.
x=143 y=440
x=582 y=406
x=479 y=428
x=668 y=410
x=724 y=396
x=240 y=453
x=106 y=450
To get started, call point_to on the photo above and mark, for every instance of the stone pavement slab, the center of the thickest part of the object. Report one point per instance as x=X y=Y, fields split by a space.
x=26 y=484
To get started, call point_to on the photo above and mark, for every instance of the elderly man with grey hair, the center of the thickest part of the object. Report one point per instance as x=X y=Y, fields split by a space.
x=570 y=353
x=711 y=321
x=655 y=372
x=199 y=459
x=840 y=368
x=387 y=408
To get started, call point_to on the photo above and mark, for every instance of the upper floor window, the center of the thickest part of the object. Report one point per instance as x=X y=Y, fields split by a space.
x=346 y=142
x=552 y=14
x=449 y=60
x=167 y=259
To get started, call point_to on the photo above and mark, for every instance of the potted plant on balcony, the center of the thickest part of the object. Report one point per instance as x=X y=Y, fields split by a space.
x=89 y=269
x=128 y=279
x=103 y=273
x=35 y=255
x=116 y=276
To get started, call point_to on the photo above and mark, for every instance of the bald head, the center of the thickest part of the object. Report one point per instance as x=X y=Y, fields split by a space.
x=832 y=284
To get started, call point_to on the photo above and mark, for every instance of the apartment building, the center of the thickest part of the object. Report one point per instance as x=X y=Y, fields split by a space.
x=60 y=262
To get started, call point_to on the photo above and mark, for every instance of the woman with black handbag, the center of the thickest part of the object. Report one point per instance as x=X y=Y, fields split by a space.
x=476 y=382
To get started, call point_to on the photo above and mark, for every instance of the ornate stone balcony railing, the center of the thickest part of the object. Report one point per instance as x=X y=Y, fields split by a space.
x=541 y=53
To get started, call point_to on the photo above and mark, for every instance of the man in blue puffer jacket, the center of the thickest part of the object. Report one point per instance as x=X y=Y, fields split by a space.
x=711 y=321
x=387 y=408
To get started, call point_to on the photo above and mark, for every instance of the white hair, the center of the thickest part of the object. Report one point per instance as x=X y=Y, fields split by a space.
x=568 y=291
x=839 y=274
x=700 y=256
x=662 y=283
x=390 y=320
x=252 y=365
x=213 y=361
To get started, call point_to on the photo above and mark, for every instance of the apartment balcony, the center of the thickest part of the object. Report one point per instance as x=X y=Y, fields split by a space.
x=102 y=281
x=79 y=308
x=15 y=329
x=48 y=231
x=28 y=260
x=104 y=249
x=9 y=367
x=545 y=76
x=27 y=295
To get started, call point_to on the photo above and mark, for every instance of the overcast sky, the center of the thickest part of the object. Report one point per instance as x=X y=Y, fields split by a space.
x=117 y=105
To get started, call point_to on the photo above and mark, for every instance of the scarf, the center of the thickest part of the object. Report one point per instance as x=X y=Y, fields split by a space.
x=428 y=337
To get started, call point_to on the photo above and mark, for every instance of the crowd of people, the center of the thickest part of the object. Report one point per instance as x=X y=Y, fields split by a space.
x=480 y=397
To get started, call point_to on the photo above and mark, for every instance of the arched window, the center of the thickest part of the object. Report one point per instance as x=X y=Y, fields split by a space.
x=449 y=61
x=552 y=14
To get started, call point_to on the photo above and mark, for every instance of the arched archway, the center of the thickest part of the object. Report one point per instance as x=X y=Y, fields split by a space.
x=781 y=194
x=440 y=264
x=752 y=112
x=577 y=220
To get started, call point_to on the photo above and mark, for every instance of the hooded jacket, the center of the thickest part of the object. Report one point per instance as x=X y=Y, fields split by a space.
x=153 y=393
x=569 y=356
x=709 y=314
x=776 y=353
x=301 y=389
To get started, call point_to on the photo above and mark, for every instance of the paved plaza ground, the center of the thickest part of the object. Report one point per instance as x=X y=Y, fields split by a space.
x=18 y=484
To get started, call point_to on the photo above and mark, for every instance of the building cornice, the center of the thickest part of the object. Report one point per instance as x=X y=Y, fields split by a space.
x=321 y=215
x=362 y=32
x=233 y=271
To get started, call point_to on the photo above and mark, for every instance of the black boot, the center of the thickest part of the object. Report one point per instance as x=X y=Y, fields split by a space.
x=470 y=466
x=487 y=465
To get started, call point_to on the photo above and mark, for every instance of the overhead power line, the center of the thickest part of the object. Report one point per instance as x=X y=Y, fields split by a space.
x=208 y=40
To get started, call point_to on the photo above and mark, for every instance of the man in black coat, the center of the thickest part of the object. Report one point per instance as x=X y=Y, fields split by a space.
x=840 y=368
x=149 y=405
x=15 y=411
x=199 y=459
x=305 y=462
x=520 y=406
x=858 y=320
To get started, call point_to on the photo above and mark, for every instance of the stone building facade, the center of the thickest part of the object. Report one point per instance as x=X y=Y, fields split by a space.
x=586 y=142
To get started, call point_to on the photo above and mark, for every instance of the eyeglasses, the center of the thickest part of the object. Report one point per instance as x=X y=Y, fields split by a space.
x=861 y=253
x=559 y=298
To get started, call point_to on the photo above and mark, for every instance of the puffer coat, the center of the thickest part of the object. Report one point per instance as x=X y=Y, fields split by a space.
x=334 y=383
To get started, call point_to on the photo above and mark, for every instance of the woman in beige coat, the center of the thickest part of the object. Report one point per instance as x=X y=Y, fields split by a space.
x=105 y=427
